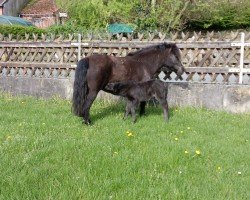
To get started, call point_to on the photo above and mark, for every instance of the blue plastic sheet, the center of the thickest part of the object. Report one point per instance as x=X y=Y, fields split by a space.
x=10 y=20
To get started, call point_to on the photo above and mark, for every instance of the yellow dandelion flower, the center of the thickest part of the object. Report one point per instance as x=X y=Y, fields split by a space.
x=198 y=152
x=186 y=152
x=130 y=134
x=181 y=131
x=239 y=173
x=9 y=137
x=219 y=168
x=176 y=139
x=188 y=128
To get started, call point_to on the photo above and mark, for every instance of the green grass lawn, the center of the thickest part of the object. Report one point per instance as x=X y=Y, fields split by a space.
x=47 y=153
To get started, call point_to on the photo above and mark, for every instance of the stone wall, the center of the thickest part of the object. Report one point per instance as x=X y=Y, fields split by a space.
x=231 y=98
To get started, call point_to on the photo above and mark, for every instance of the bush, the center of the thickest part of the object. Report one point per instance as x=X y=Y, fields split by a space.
x=224 y=14
x=143 y=15
x=150 y=15
x=67 y=28
x=19 y=30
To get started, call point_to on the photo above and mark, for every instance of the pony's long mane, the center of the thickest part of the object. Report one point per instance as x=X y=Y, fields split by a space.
x=158 y=47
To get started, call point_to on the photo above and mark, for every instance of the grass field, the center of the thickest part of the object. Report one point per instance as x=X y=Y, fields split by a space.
x=47 y=153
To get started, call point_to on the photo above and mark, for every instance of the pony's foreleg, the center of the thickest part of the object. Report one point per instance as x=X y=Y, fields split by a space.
x=86 y=107
x=142 y=107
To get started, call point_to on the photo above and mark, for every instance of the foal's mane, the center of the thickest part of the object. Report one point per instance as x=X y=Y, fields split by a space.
x=159 y=47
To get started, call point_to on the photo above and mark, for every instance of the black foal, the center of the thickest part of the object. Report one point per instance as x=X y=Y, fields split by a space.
x=136 y=92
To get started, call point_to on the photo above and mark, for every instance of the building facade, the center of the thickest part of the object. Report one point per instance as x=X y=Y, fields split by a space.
x=41 y=13
x=12 y=7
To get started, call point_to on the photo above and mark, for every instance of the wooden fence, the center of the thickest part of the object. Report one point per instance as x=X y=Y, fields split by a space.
x=211 y=57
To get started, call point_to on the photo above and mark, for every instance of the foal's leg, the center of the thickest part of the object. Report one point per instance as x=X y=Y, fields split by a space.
x=142 y=107
x=164 y=105
x=128 y=108
x=162 y=98
x=134 y=104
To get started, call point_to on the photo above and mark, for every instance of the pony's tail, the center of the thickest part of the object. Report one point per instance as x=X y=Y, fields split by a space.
x=80 y=88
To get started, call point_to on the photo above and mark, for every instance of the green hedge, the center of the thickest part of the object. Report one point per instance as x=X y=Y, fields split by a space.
x=19 y=30
x=223 y=14
x=150 y=15
x=159 y=14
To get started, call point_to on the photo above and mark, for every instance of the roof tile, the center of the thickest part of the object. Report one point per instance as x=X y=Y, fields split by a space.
x=40 y=7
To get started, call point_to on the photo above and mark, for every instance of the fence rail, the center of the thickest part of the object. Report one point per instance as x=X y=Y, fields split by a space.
x=209 y=58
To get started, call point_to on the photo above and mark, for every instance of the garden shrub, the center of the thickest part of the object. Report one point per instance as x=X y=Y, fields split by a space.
x=15 y=30
x=223 y=14
x=149 y=15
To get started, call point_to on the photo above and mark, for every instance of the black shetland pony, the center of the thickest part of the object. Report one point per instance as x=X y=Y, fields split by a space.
x=136 y=92
x=93 y=73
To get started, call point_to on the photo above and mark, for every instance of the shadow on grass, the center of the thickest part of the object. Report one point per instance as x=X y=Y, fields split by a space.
x=111 y=109
x=119 y=107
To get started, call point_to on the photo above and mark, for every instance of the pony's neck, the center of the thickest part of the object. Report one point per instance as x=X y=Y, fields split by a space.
x=155 y=57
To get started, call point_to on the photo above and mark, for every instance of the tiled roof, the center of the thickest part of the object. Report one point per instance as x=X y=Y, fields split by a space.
x=40 y=7
x=2 y=2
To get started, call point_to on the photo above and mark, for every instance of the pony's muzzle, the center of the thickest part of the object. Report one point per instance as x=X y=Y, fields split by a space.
x=180 y=71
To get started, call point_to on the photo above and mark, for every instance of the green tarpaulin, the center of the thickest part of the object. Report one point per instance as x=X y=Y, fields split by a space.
x=119 y=28
x=9 y=20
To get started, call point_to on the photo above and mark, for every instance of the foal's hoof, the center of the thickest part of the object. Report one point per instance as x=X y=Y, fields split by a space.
x=142 y=113
x=125 y=117
x=87 y=122
x=166 y=120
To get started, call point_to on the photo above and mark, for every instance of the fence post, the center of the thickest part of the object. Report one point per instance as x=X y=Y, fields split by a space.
x=242 y=46
x=79 y=46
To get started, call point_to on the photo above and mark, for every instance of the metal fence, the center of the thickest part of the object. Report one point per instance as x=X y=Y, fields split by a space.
x=211 y=57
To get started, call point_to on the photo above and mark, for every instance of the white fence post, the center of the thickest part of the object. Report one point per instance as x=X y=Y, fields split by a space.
x=79 y=46
x=242 y=45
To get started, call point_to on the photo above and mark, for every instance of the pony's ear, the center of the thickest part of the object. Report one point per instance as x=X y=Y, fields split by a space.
x=167 y=45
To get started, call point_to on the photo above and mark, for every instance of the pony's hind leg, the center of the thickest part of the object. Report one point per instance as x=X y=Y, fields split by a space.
x=86 y=106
